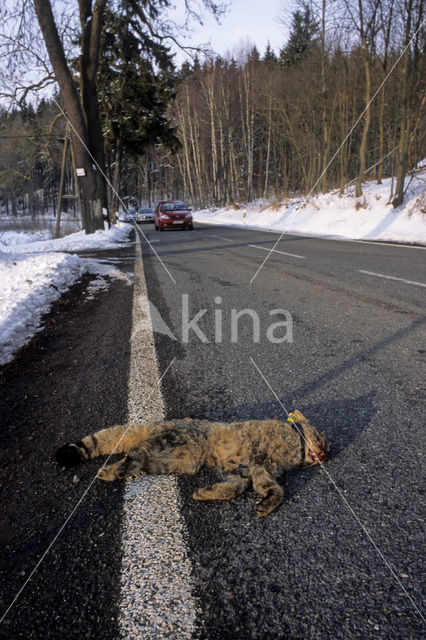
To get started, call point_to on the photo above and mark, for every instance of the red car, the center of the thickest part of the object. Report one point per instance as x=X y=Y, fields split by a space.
x=171 y=214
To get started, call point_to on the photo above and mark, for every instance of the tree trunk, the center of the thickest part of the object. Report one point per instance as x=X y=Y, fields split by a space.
x=198 y=194
x=247 y=122
x=209 y=93
x=92 y=184
x=387 y=39
x=31 y=207
x=149 y=181
x=186 y=168
x=381 y=133
x=405 y=113
x=363 y=150
x=14 y=208
x=116 y=178
x=324 y=99
x=268 y=144
x=91 y=25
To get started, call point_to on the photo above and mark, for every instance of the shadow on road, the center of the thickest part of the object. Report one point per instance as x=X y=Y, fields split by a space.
x=70 y=380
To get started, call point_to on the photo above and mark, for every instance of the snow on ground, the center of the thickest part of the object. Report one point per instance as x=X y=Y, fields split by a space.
x=10 y=240
x=28 y=286
x=35 y=271
x=329 y=215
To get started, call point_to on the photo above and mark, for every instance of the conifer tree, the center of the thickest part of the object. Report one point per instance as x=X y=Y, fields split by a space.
x=269 y=56
x=133 y=97
x=303 y=32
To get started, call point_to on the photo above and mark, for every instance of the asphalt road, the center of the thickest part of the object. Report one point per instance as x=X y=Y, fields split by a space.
x=355 y=367
x=341 y=558
x=71 y=379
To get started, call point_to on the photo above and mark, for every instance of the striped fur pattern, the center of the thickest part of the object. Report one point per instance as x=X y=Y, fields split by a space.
x=255 y=452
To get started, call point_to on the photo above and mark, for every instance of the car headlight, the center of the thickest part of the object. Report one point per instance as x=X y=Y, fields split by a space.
x=164 y=217
x=188 y=215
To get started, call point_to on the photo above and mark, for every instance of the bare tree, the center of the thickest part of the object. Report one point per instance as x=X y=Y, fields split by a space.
x=386 y=10
x=364 y=19
x=82 y=111
x=324 y=95
x=79 y=92
x=413 y=16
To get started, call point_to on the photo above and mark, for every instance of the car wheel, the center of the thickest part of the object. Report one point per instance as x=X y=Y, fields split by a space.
x=161 y=228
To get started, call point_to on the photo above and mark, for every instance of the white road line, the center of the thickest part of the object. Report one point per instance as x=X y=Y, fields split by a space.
x=382 y=275
x=386 y=244
x=212 y=235
x=156 y=576
x=284 y=253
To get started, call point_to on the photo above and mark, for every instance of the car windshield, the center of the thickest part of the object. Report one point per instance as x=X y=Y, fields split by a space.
x=174 y=206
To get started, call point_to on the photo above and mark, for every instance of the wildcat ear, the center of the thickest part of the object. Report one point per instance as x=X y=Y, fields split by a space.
x=299 y=416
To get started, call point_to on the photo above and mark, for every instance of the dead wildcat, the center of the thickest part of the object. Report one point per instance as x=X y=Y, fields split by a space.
x=253 y=452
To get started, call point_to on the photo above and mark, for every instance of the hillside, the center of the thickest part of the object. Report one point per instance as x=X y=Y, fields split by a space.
x=331 y=215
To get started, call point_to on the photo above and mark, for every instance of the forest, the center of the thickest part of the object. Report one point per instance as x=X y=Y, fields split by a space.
x=341 y=102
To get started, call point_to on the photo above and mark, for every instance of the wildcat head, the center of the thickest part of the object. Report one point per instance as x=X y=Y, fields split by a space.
x=316 y=445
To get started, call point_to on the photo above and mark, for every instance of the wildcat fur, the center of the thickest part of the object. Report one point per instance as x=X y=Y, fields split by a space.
x=255 y=452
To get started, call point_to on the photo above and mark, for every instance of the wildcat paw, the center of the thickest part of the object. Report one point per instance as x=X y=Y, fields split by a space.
x=68 y=455
x=107 y=474
x=200 y=494
x=268 y=504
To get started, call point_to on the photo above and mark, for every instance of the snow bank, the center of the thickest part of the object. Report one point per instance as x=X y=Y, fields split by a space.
x=102 y=239
x=12 y=238
x=28 y=286
x=34 y=272
x=329 y=215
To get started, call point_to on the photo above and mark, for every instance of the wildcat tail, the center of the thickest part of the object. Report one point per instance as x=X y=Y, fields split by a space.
x=118 y=439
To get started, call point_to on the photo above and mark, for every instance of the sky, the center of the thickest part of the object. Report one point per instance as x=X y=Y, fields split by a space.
x=256 y=21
